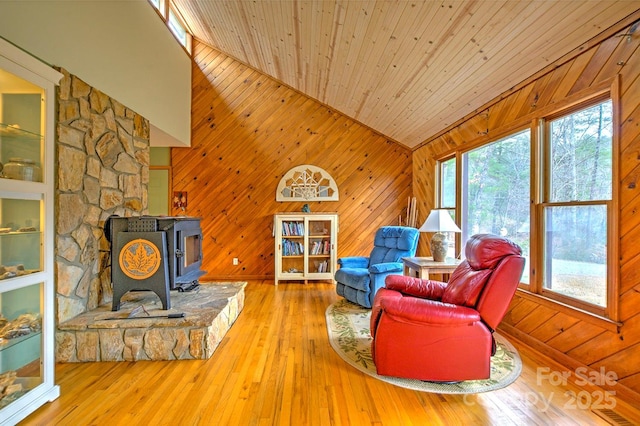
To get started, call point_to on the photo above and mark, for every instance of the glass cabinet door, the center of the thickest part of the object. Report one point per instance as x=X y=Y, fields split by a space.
x=20 y=237
x=293 y=247
x=20 y=342
x=320 y=246
x=27 y=282
x=21 y=128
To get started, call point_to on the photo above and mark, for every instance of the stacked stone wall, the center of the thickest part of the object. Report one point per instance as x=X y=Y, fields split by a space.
x=102 y=169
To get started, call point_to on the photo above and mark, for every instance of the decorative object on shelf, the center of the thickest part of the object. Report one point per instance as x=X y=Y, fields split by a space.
x=21 y=326
x=439 y=221
x=308 y=183
x=11 y=271
x=23 y=169
x=306 y=208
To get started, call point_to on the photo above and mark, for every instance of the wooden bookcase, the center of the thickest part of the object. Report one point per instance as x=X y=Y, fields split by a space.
x=306 y=246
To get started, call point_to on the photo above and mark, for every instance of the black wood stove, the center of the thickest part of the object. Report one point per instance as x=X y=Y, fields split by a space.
x=157 y=253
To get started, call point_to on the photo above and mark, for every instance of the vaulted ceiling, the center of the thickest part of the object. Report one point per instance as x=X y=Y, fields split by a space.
x=407 y=69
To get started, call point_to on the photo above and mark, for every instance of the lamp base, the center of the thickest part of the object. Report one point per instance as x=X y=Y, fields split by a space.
x=439 y=246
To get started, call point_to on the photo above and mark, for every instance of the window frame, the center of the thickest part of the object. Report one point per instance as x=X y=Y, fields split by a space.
x=172 y=11
x=541 y=201
x=607 y=90
x=454 y=211
x=164 y=10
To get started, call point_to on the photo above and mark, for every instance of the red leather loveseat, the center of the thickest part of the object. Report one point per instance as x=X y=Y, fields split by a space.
x=430 y=330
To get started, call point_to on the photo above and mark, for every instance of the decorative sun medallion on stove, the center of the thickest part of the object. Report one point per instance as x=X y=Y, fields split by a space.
x=139 y=259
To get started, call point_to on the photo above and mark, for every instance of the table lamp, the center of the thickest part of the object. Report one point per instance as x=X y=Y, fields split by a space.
x=439 y=221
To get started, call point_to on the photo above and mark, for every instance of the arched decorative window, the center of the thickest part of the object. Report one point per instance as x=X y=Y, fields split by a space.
x=307 y=183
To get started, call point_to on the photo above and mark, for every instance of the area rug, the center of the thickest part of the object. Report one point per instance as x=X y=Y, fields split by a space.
x=348 y=328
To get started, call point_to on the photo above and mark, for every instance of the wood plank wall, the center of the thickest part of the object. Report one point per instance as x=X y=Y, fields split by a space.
x=570 y=339
x=248 y=130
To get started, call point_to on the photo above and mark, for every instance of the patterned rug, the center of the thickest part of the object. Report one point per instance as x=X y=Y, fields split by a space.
x=348 y=328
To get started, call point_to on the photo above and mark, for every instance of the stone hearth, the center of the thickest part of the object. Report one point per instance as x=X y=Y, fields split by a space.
x=105 y=335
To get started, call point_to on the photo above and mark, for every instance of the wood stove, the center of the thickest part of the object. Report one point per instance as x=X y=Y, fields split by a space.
x=157 y=253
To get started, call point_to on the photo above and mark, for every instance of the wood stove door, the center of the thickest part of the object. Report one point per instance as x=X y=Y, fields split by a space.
x=140 y=263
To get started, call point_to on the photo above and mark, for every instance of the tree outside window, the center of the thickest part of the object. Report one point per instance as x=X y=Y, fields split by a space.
x=496 y=191
x=561 y=215
x=579 y=192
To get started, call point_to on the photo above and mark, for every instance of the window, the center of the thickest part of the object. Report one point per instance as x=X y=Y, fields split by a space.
x=496 y=190
x=576 y=204
x=447 y=197
x=173 y=21
x=159 y=6
x=178 y=29
x=552 y=195
x=447 y=188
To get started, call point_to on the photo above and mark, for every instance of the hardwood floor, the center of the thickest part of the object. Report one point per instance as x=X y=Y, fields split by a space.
x=275 y=366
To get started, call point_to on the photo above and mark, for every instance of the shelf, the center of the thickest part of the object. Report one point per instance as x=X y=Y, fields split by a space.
x=25 y=272
x=8 y=131
x=7 y=343
x=4 y=234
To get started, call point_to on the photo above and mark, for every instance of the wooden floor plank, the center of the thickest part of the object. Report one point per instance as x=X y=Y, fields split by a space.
x=276 y=366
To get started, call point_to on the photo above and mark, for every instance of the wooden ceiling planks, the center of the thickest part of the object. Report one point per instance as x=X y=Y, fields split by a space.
x=406 y=69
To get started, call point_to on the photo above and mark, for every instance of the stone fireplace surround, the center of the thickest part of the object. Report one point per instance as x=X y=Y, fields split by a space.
x=102 y=150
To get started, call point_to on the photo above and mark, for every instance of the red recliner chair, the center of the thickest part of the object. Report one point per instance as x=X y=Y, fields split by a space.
x=435 y=331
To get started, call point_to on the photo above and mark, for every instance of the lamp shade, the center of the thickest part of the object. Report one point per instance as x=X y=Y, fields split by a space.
x=439 y=221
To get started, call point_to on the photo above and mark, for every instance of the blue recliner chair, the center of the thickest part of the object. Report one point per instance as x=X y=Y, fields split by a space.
x=360 y=277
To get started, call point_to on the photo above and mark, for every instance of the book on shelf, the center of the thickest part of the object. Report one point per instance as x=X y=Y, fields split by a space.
x=322 y=266
x=291 y=229
x=320 y=247
x=292 y=248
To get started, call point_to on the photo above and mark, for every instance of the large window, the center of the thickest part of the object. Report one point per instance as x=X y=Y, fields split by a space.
x=552 y=194
x=496 y=190
x=576 y=203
